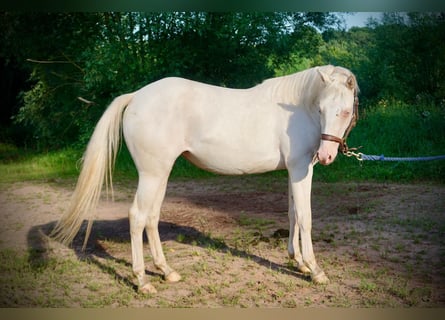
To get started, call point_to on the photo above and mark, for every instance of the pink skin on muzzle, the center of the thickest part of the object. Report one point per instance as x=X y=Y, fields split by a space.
x=327 y=152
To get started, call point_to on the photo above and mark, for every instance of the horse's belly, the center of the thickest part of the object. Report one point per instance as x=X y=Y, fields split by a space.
x=234 y=163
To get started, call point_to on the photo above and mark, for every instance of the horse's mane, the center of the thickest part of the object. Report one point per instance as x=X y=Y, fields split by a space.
x=302 y=88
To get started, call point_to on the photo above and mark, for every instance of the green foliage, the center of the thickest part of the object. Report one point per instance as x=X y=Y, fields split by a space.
x=50 y=119
x=305 y=43
x=399 y=57
x=80 y=62
x=49 y=47
x=349 y=49
x=406 y=57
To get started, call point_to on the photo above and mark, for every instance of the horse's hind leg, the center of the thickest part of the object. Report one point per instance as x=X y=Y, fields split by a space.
x=154 y=241
x=145 y=214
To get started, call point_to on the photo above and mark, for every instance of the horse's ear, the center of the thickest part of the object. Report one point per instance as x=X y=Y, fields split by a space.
x=326 y=79
x=350 y=82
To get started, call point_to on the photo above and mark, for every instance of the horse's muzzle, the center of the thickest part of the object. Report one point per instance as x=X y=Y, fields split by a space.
x=327 y=152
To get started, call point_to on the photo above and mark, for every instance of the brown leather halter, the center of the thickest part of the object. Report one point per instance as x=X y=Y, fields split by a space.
x=343 y=147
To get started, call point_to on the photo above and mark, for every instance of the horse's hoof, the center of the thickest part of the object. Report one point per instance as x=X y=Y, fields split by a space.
x=173 y=277
x=148 y=289
x=303 y=269
x=320 y=278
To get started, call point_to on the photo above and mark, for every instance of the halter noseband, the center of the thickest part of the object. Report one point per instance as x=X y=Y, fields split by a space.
x=343 y=147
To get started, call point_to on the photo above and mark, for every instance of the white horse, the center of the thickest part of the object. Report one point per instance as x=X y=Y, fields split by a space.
x=289 y=122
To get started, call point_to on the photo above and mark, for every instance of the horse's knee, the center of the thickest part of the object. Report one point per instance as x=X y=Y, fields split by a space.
x=151 y=223
x=137 y=221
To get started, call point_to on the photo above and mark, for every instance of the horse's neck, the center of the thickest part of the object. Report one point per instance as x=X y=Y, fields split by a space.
x=296 y=89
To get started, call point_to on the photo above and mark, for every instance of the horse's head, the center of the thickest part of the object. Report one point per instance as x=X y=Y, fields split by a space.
x=338 y=112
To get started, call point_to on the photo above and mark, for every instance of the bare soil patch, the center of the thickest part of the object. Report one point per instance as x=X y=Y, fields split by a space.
x=380 y=244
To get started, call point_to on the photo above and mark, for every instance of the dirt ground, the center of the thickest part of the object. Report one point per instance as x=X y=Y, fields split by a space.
x=380 y=244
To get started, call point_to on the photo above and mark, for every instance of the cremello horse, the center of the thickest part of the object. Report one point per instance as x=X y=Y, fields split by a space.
x=289 y=122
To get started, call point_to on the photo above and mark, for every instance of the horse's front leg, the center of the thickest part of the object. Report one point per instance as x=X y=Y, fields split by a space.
x=300 y=189
x=293 y=247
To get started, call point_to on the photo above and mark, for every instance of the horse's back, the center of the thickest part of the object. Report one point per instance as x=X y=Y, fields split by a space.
x=224 y=130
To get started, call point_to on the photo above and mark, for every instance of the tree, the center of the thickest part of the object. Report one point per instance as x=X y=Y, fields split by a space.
x=350 y=49
x=406 y=59
x=399 y=57
x=79 y=61
x=48 y=51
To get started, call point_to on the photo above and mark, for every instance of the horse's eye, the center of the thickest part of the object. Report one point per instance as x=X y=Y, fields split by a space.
x=345 y=113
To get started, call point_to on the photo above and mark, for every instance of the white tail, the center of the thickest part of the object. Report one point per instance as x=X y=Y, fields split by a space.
x=97 y=167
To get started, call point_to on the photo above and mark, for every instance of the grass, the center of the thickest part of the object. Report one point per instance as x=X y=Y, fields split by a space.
x=389 y=128
x=233 y=269
x=54 y=283
x=19 y=165
x=255 y=223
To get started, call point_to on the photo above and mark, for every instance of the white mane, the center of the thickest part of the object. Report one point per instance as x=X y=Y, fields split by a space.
x=302 y=88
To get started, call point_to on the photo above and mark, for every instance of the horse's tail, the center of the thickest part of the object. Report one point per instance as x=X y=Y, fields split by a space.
x=98 y=163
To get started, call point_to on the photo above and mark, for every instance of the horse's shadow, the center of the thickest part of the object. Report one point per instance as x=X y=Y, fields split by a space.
x=117 y=231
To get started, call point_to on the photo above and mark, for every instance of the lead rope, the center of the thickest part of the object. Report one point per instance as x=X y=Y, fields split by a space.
x=366 y=157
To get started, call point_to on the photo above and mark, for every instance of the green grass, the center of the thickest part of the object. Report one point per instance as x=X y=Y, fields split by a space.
x=19 y=165
x=26 y=282
x=392 y=129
